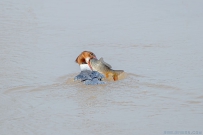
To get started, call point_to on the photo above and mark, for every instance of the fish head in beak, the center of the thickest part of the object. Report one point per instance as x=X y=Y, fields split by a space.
x=89 y=55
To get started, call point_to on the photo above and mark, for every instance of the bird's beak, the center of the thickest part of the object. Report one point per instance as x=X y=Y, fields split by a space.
x=94 y=57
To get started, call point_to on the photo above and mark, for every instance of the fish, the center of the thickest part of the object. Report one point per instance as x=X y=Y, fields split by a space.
x=104 y=68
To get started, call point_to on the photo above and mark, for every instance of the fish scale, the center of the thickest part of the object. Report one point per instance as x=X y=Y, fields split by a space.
x=104 y=68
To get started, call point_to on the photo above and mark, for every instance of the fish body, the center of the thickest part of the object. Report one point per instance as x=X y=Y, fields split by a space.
x=104 y=68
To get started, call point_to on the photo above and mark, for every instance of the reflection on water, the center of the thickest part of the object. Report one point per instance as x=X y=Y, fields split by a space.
x=160 y=49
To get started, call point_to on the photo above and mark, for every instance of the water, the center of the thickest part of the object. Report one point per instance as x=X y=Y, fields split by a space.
x=159 y=44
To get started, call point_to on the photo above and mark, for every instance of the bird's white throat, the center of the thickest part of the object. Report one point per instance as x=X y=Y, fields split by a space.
x=84 y=67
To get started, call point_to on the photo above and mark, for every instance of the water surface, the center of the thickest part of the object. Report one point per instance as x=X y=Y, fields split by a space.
x=159 y=44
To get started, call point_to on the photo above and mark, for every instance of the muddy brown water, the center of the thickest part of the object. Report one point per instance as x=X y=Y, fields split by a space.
x=159 y=44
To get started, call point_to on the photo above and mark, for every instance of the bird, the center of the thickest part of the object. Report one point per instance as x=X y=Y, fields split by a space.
x=87 y=75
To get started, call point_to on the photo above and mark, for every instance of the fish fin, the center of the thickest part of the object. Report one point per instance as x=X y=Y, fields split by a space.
x=102 y=61
x=115 y=77
x=116 y=73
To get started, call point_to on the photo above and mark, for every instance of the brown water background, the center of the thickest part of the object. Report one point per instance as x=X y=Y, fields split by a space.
x=158 y=43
